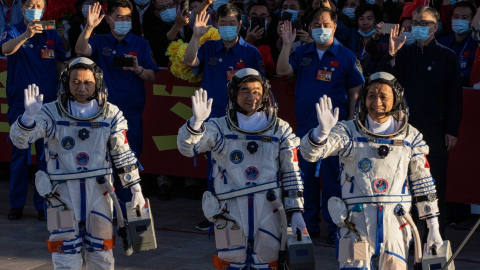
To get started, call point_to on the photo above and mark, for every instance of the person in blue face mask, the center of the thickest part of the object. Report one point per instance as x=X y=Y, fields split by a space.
x=163 y=24
x=297 y=9
x=365 y=43
x=33 y=56
x=322 y=67
x=460 y=41
x=126 y=85
x=79 y=21
x=434 y=77
x=346 y=21
x=220 y=60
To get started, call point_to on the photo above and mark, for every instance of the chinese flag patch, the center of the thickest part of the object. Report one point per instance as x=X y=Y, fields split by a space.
x=427 y=165
x=125 y=134
x=49 y=43
x=295 y=155
x=334 y=63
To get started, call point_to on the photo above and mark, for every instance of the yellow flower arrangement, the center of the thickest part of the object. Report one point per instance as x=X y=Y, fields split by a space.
x=176 y=53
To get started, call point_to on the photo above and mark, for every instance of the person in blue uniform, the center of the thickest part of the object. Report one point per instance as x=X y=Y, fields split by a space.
x=429 y=71
x=34 y=56
x=460 y=41
x=220 y=60
x=322 y=67
x=11 y=13
x=126 y=85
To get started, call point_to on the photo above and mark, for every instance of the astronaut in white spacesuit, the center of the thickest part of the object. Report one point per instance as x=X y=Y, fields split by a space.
x=253 y=152
x=383 y=163
x=84 y=135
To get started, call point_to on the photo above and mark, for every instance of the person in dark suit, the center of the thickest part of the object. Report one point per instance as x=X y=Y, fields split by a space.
x=140 y=8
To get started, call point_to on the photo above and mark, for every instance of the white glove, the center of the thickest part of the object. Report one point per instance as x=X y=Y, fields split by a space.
x=33 y=104
x=137 y=197
x=298 y=222
x=434 y=237
x=201 y=108
x=327 y=119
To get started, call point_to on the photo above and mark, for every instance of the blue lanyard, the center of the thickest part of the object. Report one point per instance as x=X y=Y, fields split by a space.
x=460 y=56
x=6 y=17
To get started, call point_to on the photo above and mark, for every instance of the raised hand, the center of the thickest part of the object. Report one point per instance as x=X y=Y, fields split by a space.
x=202 y=107
x=33 y=101
x=327 y=118
x=396 y=40
x=182 y=20
x=32 y=29
x=378 y=31
x=94 y=17
x=254 y=34
x=200 y=27
x=288 y=35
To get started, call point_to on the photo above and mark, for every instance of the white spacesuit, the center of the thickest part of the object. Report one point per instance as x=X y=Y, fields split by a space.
x=82 y=140
x=382 y=165
x=253 y=152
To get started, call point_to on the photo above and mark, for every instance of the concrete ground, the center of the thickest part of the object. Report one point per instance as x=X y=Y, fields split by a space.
x=180 y=246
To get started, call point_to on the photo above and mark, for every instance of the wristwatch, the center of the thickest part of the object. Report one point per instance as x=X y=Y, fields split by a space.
x=127 y=169
x=293 y=194
x=426 y=198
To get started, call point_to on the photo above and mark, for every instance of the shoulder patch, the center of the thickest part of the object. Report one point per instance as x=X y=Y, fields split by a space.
x=359 y=66
x=153 y=58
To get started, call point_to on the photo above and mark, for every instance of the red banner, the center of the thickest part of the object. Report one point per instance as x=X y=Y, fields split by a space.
x=169 y=106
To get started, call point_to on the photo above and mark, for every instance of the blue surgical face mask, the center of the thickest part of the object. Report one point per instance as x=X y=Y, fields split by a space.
x=371 y=2
x=349 y=12
x=421 y=33
x=122 y=27
x=228 y=33
x=141 y=2
x=460 y=26
x=453 y=2
x=322 y=35
x=33 y=14
x=85 y=9
x=168 y=15
x=369 y=34
x=218 y=3
x=294 y=15
x=410 y=38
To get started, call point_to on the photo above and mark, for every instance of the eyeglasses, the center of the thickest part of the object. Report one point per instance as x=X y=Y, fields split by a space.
x=422 y=23
x=163 y=8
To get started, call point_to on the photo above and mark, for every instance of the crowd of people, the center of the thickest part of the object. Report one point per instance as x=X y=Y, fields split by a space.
x=325 y=47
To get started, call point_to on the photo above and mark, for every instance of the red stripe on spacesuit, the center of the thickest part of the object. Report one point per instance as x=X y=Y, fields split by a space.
x=225 y=211
x=403 y=226
x=427 y=165
x=125 y=134
x=295 y=155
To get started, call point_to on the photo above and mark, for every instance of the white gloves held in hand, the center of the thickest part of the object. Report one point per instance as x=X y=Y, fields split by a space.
x=137 y=197
x=298 y=222
x=202 y=107
x=434 y=237
x=327 y=119
x=33 y=104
